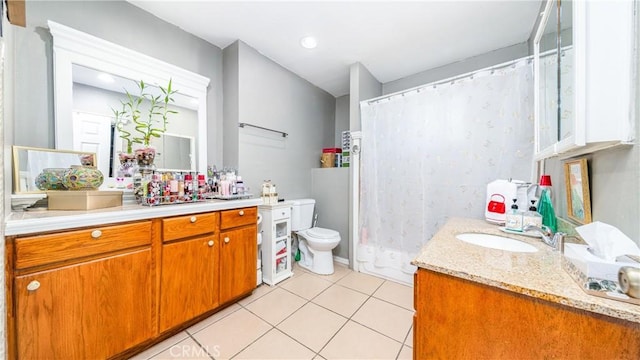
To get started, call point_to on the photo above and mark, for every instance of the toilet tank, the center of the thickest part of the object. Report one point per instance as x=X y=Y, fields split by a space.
x=302 y=214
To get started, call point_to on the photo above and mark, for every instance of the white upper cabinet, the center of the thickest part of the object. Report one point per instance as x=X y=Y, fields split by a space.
x=585 y=74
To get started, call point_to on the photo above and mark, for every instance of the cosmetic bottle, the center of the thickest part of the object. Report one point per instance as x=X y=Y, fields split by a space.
x=532 y=217
x=514 y=218
x=180 y=186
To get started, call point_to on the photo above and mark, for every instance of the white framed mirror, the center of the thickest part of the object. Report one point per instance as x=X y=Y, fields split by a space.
x=78 y=60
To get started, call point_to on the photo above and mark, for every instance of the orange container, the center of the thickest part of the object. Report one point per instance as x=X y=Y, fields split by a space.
x=328 y=160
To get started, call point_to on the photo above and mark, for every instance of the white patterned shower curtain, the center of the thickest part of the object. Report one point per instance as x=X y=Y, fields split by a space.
x=427 y=155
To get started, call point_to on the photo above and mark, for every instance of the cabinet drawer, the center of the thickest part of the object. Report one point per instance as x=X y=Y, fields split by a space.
x=46 y=249
x=281 y=213
x=238 y=217
x=190 y=225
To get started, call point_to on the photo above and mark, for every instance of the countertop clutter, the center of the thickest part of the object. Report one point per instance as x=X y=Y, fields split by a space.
x=25 y=222
x=538 y=275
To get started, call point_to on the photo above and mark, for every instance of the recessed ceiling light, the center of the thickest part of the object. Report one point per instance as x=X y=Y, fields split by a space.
x=106 y=77
x=308 y=42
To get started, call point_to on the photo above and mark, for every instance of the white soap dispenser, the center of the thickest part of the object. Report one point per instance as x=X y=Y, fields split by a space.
x=514 y=218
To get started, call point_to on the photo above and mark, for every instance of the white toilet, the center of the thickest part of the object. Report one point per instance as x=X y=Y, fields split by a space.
x=315 y=243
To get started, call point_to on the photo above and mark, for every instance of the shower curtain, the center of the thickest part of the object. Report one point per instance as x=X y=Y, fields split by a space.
x=427 y=155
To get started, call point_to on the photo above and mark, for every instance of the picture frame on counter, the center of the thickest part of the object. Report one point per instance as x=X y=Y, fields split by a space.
x=576 y=174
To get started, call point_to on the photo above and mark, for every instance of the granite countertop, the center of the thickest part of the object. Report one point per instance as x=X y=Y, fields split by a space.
x=26 y=222
x=539 y=275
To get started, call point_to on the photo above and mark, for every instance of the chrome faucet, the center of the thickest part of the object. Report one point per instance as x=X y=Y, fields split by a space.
x=556 y=241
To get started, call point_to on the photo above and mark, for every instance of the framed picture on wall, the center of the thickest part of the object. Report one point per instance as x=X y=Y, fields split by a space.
x=576 y=175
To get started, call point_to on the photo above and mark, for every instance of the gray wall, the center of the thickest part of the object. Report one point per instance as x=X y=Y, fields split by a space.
x=461 y=67
x=362 y=86
x=231 y=104
x=614 y=181
x=342 y=119
x=120 y=23
x=271 y=96
x=330 y=188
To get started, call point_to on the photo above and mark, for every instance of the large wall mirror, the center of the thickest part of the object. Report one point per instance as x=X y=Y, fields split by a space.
x=90 y=78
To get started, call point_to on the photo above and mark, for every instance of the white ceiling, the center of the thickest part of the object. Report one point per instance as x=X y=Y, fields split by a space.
x=392 y=39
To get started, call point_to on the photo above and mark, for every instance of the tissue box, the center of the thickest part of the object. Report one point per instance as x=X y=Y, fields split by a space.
x=592 y=266
x=84 y=199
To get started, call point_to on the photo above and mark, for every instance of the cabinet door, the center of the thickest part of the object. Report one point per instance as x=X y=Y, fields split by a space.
x=588 y=107
x=281 y=250
x=238 y=256
x=189 y=280
x=90 y=310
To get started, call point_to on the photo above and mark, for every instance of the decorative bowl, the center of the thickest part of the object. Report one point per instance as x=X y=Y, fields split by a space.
x=83 y=178
x=51 y=179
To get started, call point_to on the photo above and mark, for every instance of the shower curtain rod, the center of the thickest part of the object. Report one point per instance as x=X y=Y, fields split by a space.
x=452 y=79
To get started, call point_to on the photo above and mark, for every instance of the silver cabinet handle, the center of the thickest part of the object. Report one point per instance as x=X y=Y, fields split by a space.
x=193 y=219
x=226 y=240
x=241 y=212
x=33 y=286
x=210 y=243
x=96 y=234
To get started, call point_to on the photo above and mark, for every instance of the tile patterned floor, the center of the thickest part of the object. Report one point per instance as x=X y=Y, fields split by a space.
x=345 y=316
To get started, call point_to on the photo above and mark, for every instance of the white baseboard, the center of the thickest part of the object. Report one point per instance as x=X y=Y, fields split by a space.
x=341 y=260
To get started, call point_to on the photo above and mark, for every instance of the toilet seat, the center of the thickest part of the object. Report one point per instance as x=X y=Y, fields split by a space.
x=319 y=233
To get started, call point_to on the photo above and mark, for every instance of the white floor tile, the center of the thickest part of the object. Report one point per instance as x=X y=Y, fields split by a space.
x=276 y=305
x=233 y=333
x=355 y=341
x=312 y=325
x=308 y=286
x=401 y=295
x=361 y=282
x=275 y=345
x=341 y=300
x=388 y=319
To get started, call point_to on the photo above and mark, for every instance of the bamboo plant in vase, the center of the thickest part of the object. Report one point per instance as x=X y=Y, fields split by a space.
x=145 y=127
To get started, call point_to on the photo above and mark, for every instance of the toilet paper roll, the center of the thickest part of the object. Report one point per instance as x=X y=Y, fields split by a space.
x=629 y=279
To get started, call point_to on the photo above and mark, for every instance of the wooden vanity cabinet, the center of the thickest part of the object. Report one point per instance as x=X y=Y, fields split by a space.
x=112 y=291
x=85 y=294
x=190 y=268
x=459 y=319
x=238 y=252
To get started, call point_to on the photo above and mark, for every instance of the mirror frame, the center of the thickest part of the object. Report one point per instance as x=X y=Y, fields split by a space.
x=16 y=164
x=71 y=46
x=578 y=134
x=550 y=6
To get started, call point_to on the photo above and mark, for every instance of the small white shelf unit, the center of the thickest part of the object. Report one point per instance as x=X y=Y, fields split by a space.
x=276 y=242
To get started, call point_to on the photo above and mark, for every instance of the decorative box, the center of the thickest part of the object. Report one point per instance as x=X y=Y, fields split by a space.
x=84 y=199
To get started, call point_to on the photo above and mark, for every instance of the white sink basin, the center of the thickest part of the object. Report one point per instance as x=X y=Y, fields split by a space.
x=497 y=242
